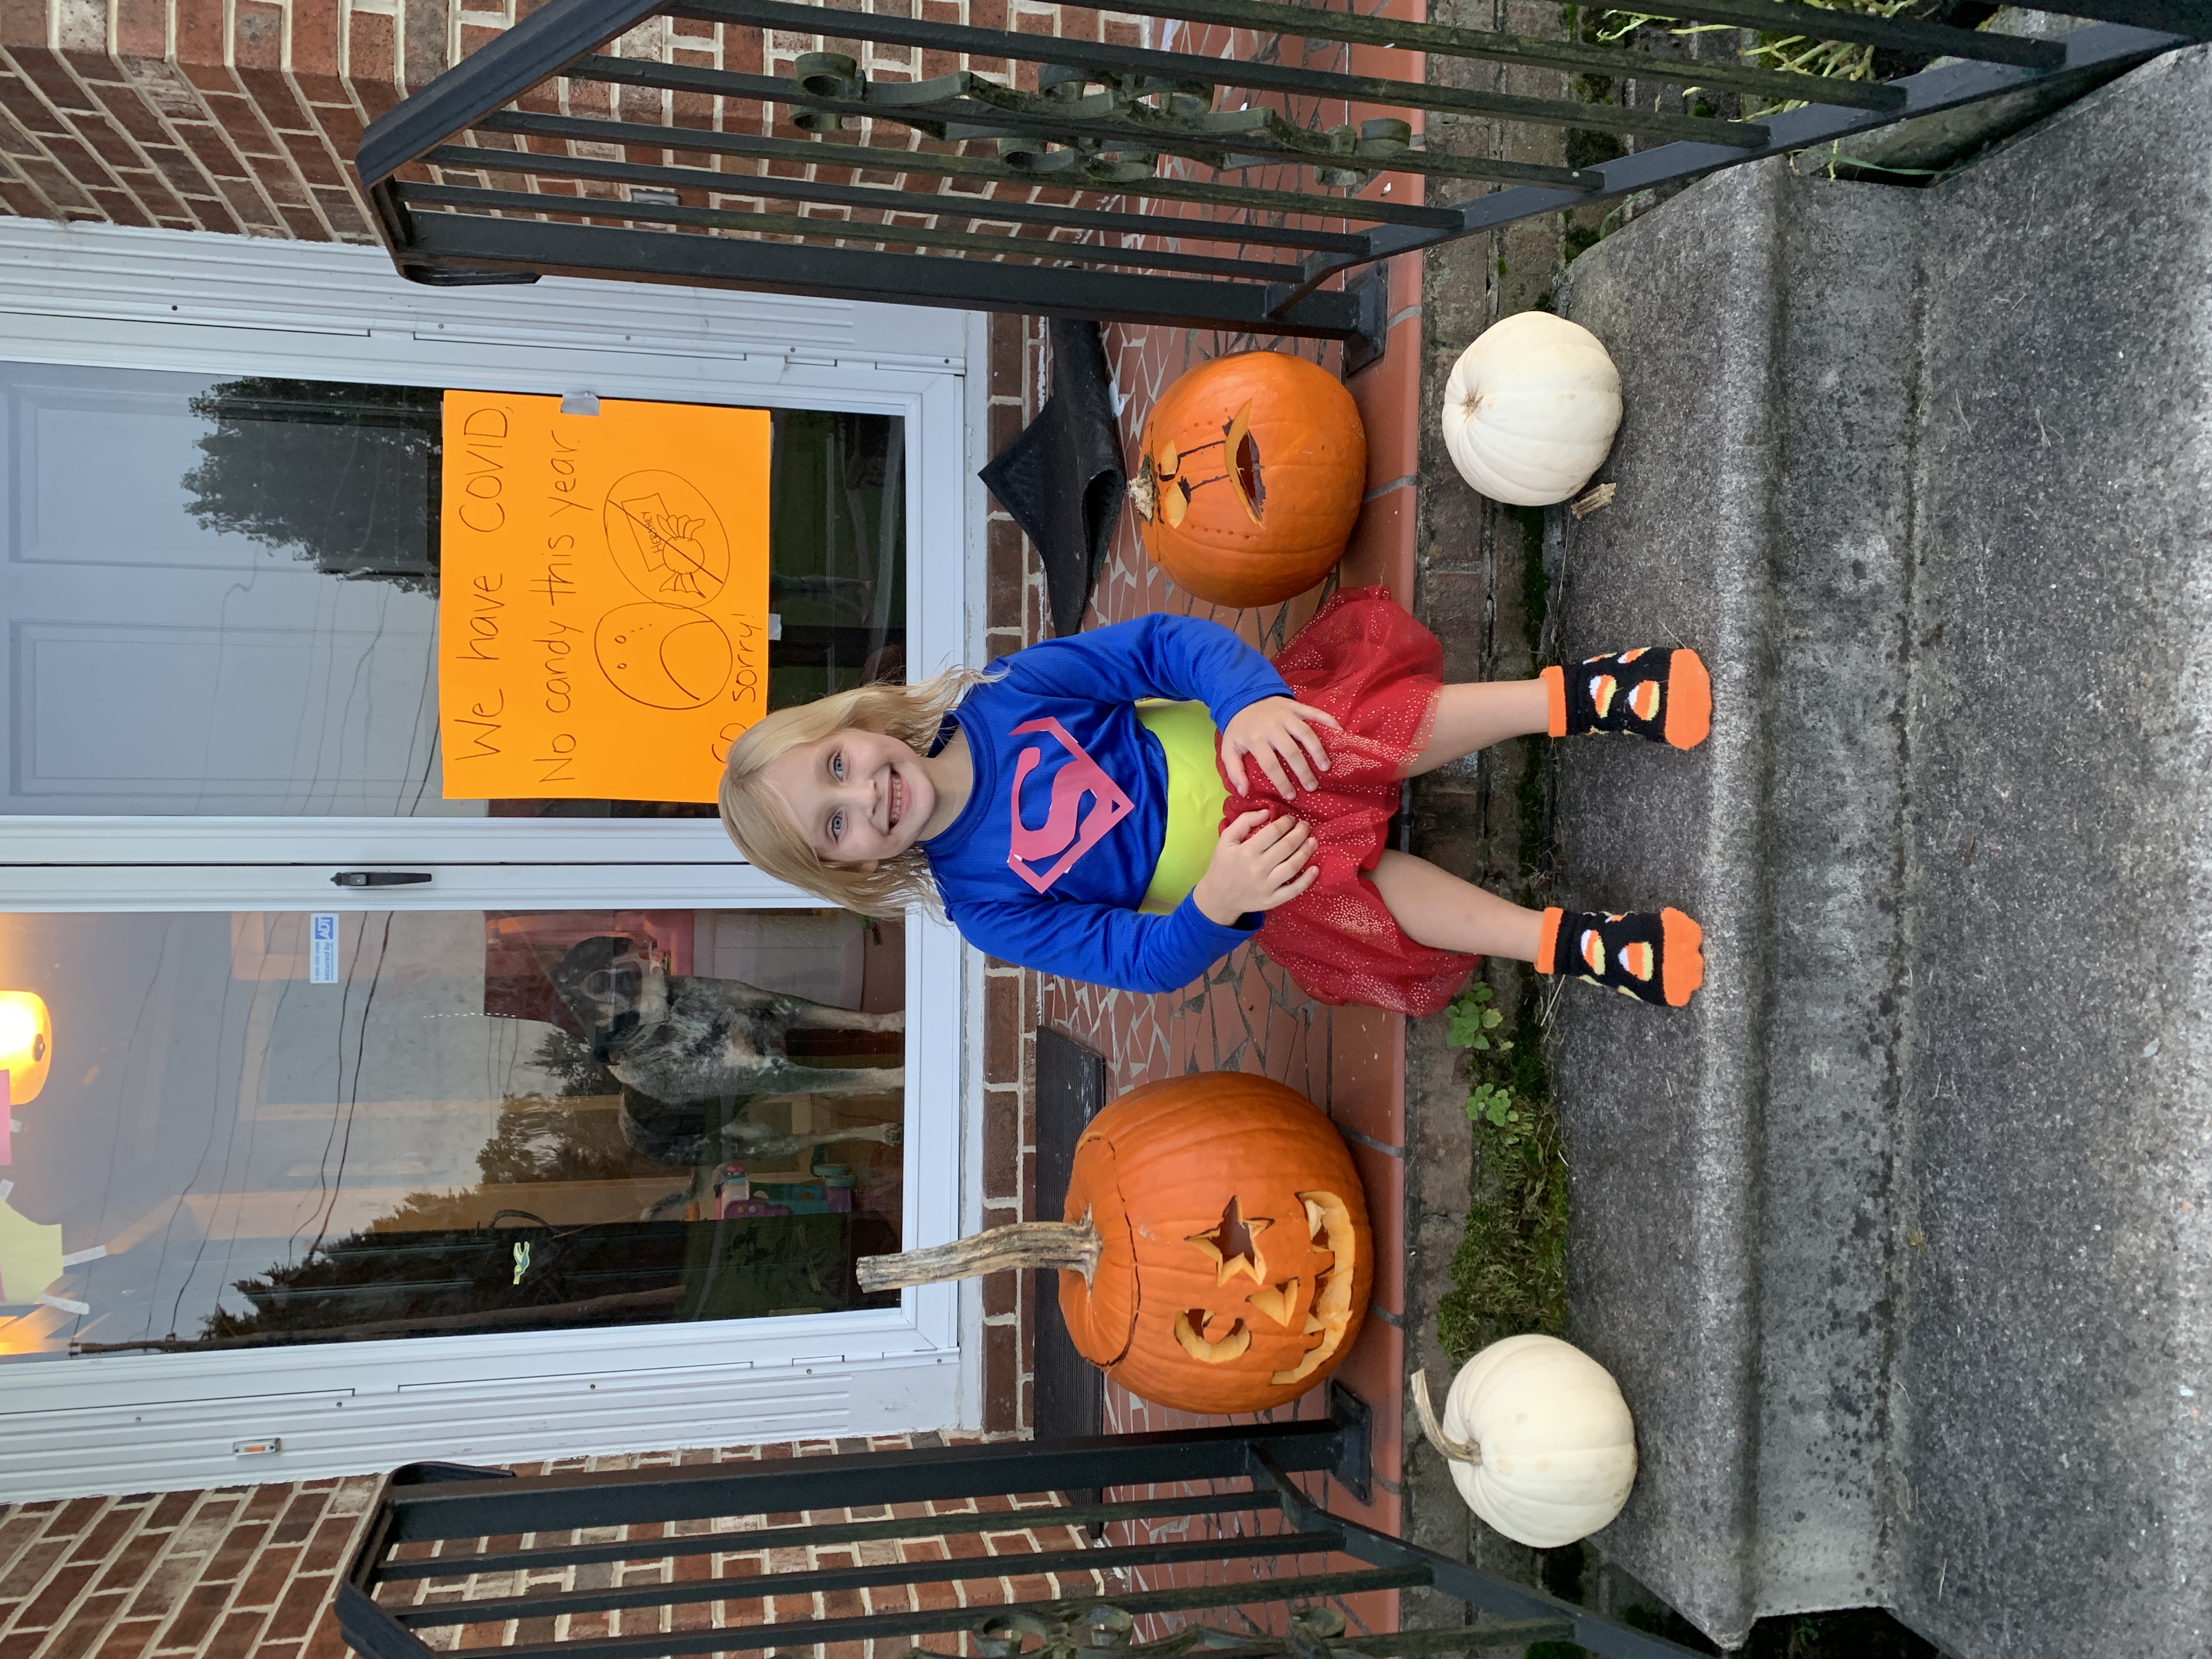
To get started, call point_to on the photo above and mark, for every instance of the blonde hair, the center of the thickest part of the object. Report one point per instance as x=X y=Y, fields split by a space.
x=761 y=823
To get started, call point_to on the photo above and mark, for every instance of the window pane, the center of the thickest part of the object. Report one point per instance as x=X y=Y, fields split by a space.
x=222 y=594
x=452 y=1123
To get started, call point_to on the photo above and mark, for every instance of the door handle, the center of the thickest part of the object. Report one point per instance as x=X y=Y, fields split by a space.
x=380 y=877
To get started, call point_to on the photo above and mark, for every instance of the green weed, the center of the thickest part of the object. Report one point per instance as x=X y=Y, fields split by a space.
x=1799 y=54
x=1510 y=1274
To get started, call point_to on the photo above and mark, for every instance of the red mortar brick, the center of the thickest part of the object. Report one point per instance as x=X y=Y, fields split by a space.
x=178 y=167
x=140 y=27
x=17 y=1531
x=210 y=76
x=202 y=1607
x=1002 y=1379
x=341 y=129
x=264 y=1585
x=272 y=98
x=212 y=149
x=296 y=1615
x=165 y=1586
x=327 y=1551
x=77 y=1633
x=315 y=25
x=299 y=1517
x=129 y=1640
x=28 y=110
x=129 y=1565
x=105 y=1536
x=51 y=1605
x=103 y=139
x=128 y=111
x=324 y=1642
x=236 y=1636
x=83 y=170
x=30 y=1568
x=246 y=202
x=373 y=46
x=237 y=1549
x=56 y=81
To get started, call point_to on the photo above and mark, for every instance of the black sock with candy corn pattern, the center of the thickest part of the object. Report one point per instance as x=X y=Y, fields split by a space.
x=1662 y=694
x=1656 y=958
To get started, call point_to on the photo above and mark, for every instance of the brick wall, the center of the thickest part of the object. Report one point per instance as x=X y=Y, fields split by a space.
x=1015 y=616
x=203 y=115
x=248 y=1572
x=244 y=115
x=238 y=1571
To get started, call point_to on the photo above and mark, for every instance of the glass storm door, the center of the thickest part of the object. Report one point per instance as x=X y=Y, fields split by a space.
x=318 y=1168
x=264 y=1130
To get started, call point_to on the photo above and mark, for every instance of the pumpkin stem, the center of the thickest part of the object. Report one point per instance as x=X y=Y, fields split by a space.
x=1460 y=1451
x=1145 y=490
x=1070 y=1246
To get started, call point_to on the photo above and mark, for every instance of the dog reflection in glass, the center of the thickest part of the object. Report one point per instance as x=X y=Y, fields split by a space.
x=681 y=1037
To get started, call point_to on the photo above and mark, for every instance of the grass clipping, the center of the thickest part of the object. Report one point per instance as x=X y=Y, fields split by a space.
x=1796 y=54
x=1509 y=1275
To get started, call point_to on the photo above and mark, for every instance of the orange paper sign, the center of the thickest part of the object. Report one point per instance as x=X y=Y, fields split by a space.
x=603 y=596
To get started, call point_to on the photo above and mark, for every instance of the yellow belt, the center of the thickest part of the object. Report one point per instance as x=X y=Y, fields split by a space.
x=1195 y=795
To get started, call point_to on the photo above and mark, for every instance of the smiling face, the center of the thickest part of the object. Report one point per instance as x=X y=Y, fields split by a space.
x=855 y=797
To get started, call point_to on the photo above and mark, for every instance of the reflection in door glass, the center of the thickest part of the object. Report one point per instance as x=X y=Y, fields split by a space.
x=221 y=595
x=266 y=1129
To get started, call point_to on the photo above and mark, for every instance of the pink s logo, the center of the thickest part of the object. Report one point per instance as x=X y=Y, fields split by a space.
x=1078 y=777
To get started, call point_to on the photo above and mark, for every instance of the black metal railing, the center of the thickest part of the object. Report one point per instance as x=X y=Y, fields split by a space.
x=1254 y=1569
x=1225 y=186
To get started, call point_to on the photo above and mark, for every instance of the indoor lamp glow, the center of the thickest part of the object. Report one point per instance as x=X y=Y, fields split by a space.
x=27 y=1044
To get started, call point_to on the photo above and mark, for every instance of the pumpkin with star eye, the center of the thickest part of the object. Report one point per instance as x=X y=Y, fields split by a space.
x=1249 y=475
x=1216 y=1255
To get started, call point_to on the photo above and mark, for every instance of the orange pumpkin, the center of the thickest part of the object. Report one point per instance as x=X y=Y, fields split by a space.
x=1216 y=1255
x=1249 y=475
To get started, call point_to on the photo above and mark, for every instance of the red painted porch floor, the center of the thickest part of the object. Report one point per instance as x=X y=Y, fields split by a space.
x=1247 y=1015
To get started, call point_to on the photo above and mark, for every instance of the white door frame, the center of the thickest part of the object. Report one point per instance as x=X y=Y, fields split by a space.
x=118 y=298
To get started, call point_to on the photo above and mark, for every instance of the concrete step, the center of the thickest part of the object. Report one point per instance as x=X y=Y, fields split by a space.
x=1894 y=1240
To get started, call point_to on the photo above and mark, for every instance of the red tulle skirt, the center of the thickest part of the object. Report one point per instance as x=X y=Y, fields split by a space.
x=1365 y=660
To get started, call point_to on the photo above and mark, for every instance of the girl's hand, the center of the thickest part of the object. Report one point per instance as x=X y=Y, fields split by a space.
x=1272 y=732
x=1256 y=866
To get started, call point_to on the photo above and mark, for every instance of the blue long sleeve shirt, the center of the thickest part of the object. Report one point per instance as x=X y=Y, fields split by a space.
x=1048 y=862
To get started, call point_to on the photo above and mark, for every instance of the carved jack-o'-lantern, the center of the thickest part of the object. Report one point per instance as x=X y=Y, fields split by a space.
x=1249 y=476
x=1216 y=1255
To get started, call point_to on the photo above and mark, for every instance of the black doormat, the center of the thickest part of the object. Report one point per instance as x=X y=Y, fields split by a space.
x=1071 y=1089
x=1062 y=479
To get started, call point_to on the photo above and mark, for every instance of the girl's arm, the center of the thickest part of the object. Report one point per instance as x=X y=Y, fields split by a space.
x=1256 y=866
x=1097 y=943
x=1183 y=658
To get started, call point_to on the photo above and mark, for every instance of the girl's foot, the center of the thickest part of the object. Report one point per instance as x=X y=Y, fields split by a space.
x=1664 y=695
x=1655 y=958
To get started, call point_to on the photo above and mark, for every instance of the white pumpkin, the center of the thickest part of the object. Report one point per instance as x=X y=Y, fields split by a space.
x=1531 y=408
x=1541 y=1442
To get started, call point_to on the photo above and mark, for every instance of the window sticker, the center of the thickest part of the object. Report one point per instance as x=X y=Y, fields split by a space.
x=323 y=949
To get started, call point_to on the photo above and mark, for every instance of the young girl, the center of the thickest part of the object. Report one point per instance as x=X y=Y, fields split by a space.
x=1069 y=822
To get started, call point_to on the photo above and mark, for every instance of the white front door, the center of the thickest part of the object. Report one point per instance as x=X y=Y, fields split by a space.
x=364 y=1192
